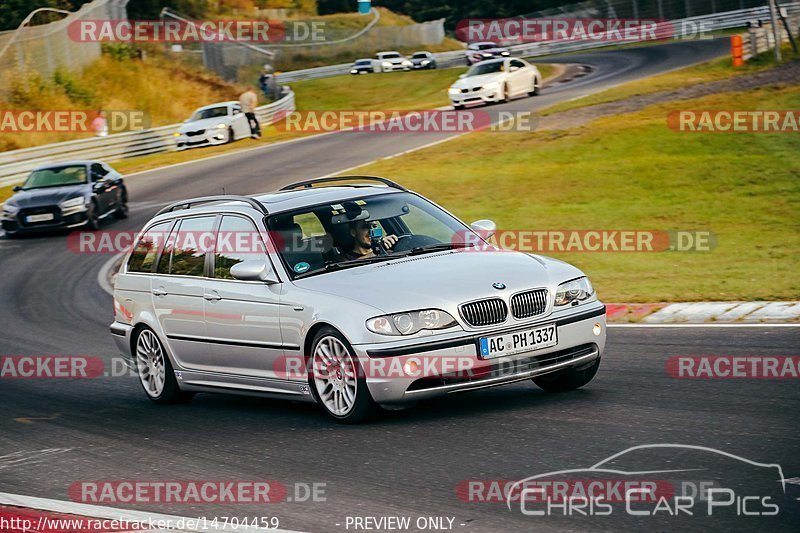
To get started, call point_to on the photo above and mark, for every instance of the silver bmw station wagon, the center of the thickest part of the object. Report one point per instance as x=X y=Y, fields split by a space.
x=350 y=292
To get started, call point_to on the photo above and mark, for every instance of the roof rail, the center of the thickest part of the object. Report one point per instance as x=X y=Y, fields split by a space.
x=187 y=204
x=308 y=184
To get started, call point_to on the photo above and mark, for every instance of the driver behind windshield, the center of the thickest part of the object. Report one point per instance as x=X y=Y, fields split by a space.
x=362 y=244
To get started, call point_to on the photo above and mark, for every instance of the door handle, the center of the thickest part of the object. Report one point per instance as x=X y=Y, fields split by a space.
x=159 y=292
x=212 y=296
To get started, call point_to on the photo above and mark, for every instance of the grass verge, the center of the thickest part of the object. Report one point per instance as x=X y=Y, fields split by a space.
x=632 y=172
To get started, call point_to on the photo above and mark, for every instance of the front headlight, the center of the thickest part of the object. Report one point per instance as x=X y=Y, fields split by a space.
x=410 y=322
x=505 y=53
x=221 y=126
x=176 y=134
x=72 y=202
x=454 y=90
x=573 y=292
x=407 y=63
x=386 y=64
x=425 y=61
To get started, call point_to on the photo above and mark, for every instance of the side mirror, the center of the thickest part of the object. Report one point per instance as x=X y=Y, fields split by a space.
x=254 y=270
x=484 y=228
x=17 y=188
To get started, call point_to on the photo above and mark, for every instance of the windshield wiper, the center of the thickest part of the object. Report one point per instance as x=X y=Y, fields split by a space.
x=439 y=247
x=331 y=266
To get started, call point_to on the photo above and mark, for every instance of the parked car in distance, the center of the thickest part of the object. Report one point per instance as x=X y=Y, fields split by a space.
x=391 y=61
x=482 y=51
x=298 y=311
x=213 y=124
x=423 y=60
x=363 y=66
x=65 y=195
x=495 y=80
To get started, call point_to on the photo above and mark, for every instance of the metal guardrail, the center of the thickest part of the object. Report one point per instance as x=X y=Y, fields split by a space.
x=672 y=29
x=17 y=164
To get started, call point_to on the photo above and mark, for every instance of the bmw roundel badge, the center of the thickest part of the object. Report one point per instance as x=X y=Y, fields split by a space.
x=499 y=286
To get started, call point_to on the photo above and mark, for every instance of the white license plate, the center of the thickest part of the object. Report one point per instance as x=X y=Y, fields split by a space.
x=526 y=340
x=39 y=218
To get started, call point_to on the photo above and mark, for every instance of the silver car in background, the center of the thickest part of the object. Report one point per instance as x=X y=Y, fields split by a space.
x=262 y=295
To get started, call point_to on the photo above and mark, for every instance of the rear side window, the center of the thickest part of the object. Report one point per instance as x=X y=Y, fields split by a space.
x=150 y=243
x=186 y=249
x=238 y=240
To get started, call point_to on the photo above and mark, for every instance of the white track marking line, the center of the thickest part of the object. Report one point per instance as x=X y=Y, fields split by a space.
x=102 y=274
x=27 y=457
x=110 y=513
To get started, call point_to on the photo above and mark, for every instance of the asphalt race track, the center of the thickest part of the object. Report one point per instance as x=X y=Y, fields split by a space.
x=411 y=462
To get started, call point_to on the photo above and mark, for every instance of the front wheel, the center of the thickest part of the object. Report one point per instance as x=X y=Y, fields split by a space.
x=121 y=211
x=155 y=371
x=569 y=379
x=92 y=217
x=336 y=379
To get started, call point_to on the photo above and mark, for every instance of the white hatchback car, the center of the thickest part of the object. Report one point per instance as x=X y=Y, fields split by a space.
x=213 y=124
x=495 y=80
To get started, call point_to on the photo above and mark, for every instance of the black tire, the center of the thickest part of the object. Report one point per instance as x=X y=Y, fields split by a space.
x=230 y=135
x=567 y=380
x=10 y=236
x=364 y=407
x=458 y=107
x=171 y=392
x=537 y=84
x=92 y=218
x=121 y=212
x=504 y=96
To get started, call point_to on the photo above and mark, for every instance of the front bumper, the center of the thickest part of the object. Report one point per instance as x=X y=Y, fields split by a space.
x=480 y=96
x=209 y=138
x=18 y=223
x=452 y=364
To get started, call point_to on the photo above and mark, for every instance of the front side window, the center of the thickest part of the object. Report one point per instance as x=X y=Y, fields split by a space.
x=56 y=177
x=238 y=240
x=186 y=248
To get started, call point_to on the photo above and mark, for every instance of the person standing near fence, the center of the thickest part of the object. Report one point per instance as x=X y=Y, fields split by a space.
x=100 y=124
x=248 y=101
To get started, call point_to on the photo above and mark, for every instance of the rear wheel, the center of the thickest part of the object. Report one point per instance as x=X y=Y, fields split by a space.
x=504 y=94
x=536 y=86
x=230 y=135
x=336 y=379
x=155 y=371
x=570 y=379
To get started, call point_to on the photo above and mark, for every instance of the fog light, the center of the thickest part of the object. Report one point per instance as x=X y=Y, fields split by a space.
x=411 y=367
x=597 y=329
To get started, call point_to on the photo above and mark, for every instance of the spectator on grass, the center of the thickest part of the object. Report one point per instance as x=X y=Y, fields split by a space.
x=248 y=101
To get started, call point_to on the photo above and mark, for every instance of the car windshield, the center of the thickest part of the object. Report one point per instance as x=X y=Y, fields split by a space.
x=334 y=236
x=211 y=112
x=392 y=55
x=486 y=46
x=420 y=55
x=364 y=62
x=56 y=177
x=485 y=68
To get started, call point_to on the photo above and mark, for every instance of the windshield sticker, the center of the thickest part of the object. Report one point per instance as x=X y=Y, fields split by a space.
x=301 y=267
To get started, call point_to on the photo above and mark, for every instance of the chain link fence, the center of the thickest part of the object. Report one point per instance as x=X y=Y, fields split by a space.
x=46 y=47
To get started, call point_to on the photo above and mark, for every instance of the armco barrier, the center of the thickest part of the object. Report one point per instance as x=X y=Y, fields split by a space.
x=678 y=28
x=17 y=164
